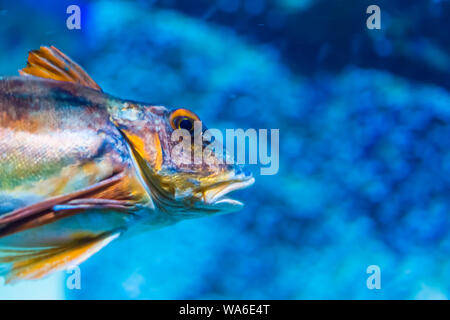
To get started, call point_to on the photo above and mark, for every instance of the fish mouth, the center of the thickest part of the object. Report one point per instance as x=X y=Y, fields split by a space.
x=217 y=195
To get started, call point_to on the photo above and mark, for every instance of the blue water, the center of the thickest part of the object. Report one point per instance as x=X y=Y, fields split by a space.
x=364 y=141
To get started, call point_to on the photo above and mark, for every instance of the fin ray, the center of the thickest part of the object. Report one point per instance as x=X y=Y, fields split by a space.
x=48 y=204
x=102 y=195
x=51 y=63
x=35 y=264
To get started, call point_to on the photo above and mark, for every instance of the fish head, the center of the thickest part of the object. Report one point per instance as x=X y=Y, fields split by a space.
x=187 y=172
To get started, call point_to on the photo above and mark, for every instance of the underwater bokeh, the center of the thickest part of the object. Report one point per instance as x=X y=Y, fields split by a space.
x=363 y=118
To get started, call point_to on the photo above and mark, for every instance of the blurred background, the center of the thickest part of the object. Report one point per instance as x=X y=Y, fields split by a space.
x=364 y=142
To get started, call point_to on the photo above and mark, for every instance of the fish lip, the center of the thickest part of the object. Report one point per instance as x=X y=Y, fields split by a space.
x=218 y=198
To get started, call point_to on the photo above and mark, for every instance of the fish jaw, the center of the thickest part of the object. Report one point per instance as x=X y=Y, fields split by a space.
x=202 y=196
x=217 y=196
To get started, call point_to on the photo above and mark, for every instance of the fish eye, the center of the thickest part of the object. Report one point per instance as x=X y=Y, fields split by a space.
x=183 y=119
x=186 y=123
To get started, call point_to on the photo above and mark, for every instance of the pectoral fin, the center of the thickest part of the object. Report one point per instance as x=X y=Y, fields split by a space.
x=50 y=63
x=35 y=263
x=111 y=194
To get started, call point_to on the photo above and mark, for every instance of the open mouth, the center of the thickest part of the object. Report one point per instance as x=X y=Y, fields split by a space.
x=217 y=195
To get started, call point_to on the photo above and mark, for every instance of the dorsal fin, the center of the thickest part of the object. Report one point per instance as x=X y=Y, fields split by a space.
x=50 y=63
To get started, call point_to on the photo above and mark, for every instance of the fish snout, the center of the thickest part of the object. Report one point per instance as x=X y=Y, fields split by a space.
x=239 y=177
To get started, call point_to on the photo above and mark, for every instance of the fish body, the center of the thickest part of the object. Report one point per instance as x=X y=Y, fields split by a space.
x=56 y=138
x=79 y=168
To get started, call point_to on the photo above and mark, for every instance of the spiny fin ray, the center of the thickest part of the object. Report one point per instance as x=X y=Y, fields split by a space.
x=51 y=63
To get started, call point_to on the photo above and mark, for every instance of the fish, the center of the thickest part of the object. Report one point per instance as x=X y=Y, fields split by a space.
x=80 y=168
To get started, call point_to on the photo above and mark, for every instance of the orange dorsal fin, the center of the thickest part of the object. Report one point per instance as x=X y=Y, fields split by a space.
x=50 y=63
x=35 y=264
